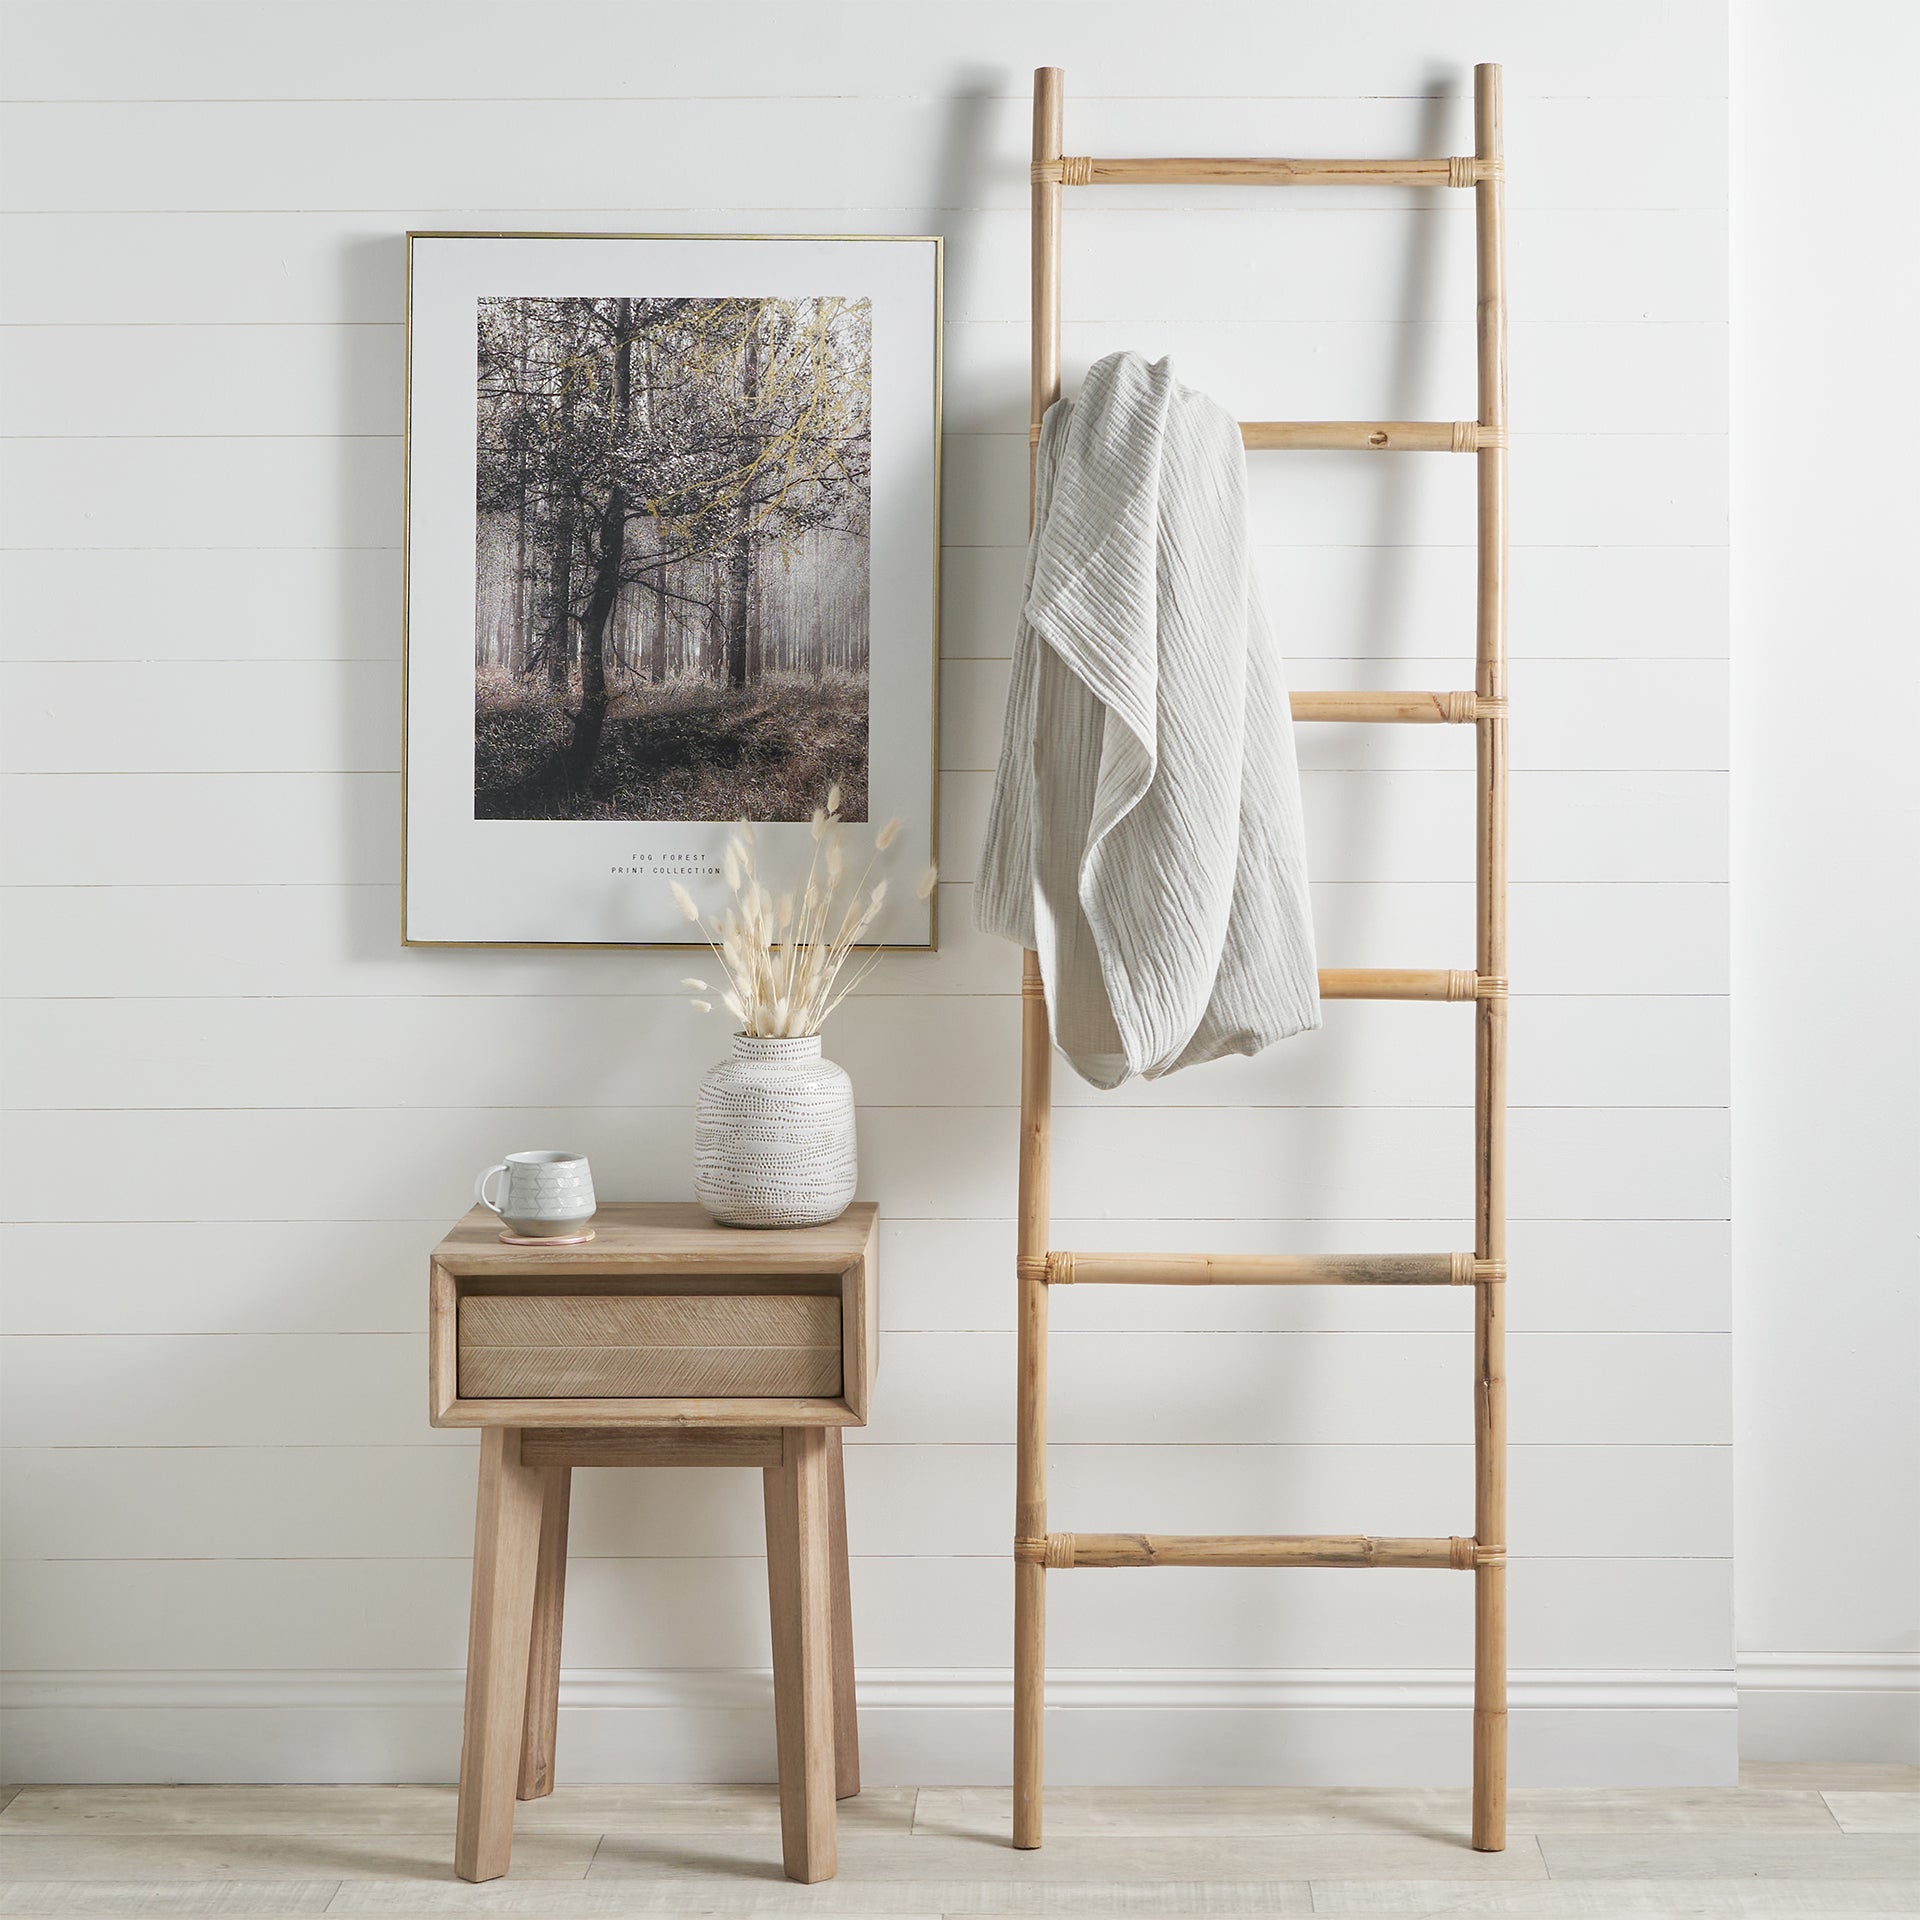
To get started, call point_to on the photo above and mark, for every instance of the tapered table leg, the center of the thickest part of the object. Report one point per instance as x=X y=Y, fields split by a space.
x=506 y=1548
x=846 y=1720
x=543 y=1659
x=800 y=1589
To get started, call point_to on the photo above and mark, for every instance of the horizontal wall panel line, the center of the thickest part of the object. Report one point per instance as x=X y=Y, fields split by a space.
x=1461 y=772
x=393 y=886
x=1060 y=1331
x=1163 y=201
x=81 y=439
x=1119 y=97
x=855 y=1436
x=660 y=993
x=946 y=546
x=950 y=434
x=924 y=1219
x=954 y=1106
x=982 y=1687
x=577 y=1557
x=1191 y=323
x=947 y=656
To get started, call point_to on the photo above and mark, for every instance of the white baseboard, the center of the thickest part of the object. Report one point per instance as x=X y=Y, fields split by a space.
x=1830 y=1706
x=1182 y=1726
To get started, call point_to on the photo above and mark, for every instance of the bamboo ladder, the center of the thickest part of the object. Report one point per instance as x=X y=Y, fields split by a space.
x=1035 y=1550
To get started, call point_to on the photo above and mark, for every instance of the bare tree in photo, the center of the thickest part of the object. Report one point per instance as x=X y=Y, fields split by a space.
x=673 y=508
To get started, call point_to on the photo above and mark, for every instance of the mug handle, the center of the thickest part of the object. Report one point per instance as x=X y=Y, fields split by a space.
x=480 y=1189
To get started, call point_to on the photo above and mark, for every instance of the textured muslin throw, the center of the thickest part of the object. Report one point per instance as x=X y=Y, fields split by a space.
x=1145 y=836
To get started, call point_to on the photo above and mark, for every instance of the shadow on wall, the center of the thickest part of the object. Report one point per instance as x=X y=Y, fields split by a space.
x=372 y=285
x=1386 y=612
x=964 y=172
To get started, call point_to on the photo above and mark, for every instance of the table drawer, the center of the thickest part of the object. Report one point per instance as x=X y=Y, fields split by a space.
x=564 y=1346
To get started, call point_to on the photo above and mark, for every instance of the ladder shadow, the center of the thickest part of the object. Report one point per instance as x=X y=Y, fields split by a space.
x=1390 y=602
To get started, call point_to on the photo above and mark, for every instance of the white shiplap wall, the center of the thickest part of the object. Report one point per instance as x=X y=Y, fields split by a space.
x=241 y=1114
x=1826 y=1136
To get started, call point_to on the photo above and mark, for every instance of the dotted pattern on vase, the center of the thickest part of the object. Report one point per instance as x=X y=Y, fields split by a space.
x=773 y=1136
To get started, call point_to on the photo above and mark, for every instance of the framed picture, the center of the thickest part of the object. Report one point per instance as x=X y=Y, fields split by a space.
x=672 y=561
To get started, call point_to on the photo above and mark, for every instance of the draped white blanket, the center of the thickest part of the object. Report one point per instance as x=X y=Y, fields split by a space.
x=1145 y=835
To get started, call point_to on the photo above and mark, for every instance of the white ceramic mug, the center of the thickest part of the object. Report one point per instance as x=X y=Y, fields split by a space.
x=543 y=1194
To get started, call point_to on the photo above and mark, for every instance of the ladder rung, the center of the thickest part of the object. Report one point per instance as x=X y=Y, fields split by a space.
x=1409 y=983
x=1378 y=436
x=1093 y=170
x=1269 y=1269
x=1405 y=706
x=1376 y=983
x=1251 y=1550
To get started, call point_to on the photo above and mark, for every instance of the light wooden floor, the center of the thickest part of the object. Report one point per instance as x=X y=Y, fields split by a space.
x=1791 y=1840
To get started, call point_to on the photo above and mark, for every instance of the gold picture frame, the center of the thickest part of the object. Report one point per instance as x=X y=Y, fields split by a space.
x=458 y=915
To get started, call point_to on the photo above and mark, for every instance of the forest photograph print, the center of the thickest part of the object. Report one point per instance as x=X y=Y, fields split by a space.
x=672 y=561
x=672 y=557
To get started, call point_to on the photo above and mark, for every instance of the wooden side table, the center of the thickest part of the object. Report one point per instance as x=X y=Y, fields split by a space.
x=664 y=1341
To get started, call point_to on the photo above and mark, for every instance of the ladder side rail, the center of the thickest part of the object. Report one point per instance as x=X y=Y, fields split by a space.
x=1490 y=1014
x=1036 y=1083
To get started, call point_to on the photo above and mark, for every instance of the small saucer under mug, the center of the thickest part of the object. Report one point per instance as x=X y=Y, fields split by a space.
x=546 y=1198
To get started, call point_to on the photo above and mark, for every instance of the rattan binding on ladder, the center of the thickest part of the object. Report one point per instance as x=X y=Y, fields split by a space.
x=1036 y=1551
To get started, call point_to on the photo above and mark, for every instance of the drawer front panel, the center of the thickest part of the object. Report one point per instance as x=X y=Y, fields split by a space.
x=560 y=1346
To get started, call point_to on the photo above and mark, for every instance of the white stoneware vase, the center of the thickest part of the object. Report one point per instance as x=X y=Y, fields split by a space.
x=773 y=1138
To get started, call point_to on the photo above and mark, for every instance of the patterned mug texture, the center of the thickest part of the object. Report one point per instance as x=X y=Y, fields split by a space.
x=542 y=1194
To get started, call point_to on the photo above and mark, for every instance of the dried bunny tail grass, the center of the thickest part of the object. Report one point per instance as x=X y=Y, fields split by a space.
x=848 y=920
x=868 y=963
x=928 y=881
x=701 y=1006
x=875 y=901
x=786 y=957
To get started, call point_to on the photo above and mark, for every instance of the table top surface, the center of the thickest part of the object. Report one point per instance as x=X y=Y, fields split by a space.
x=641 y=1236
